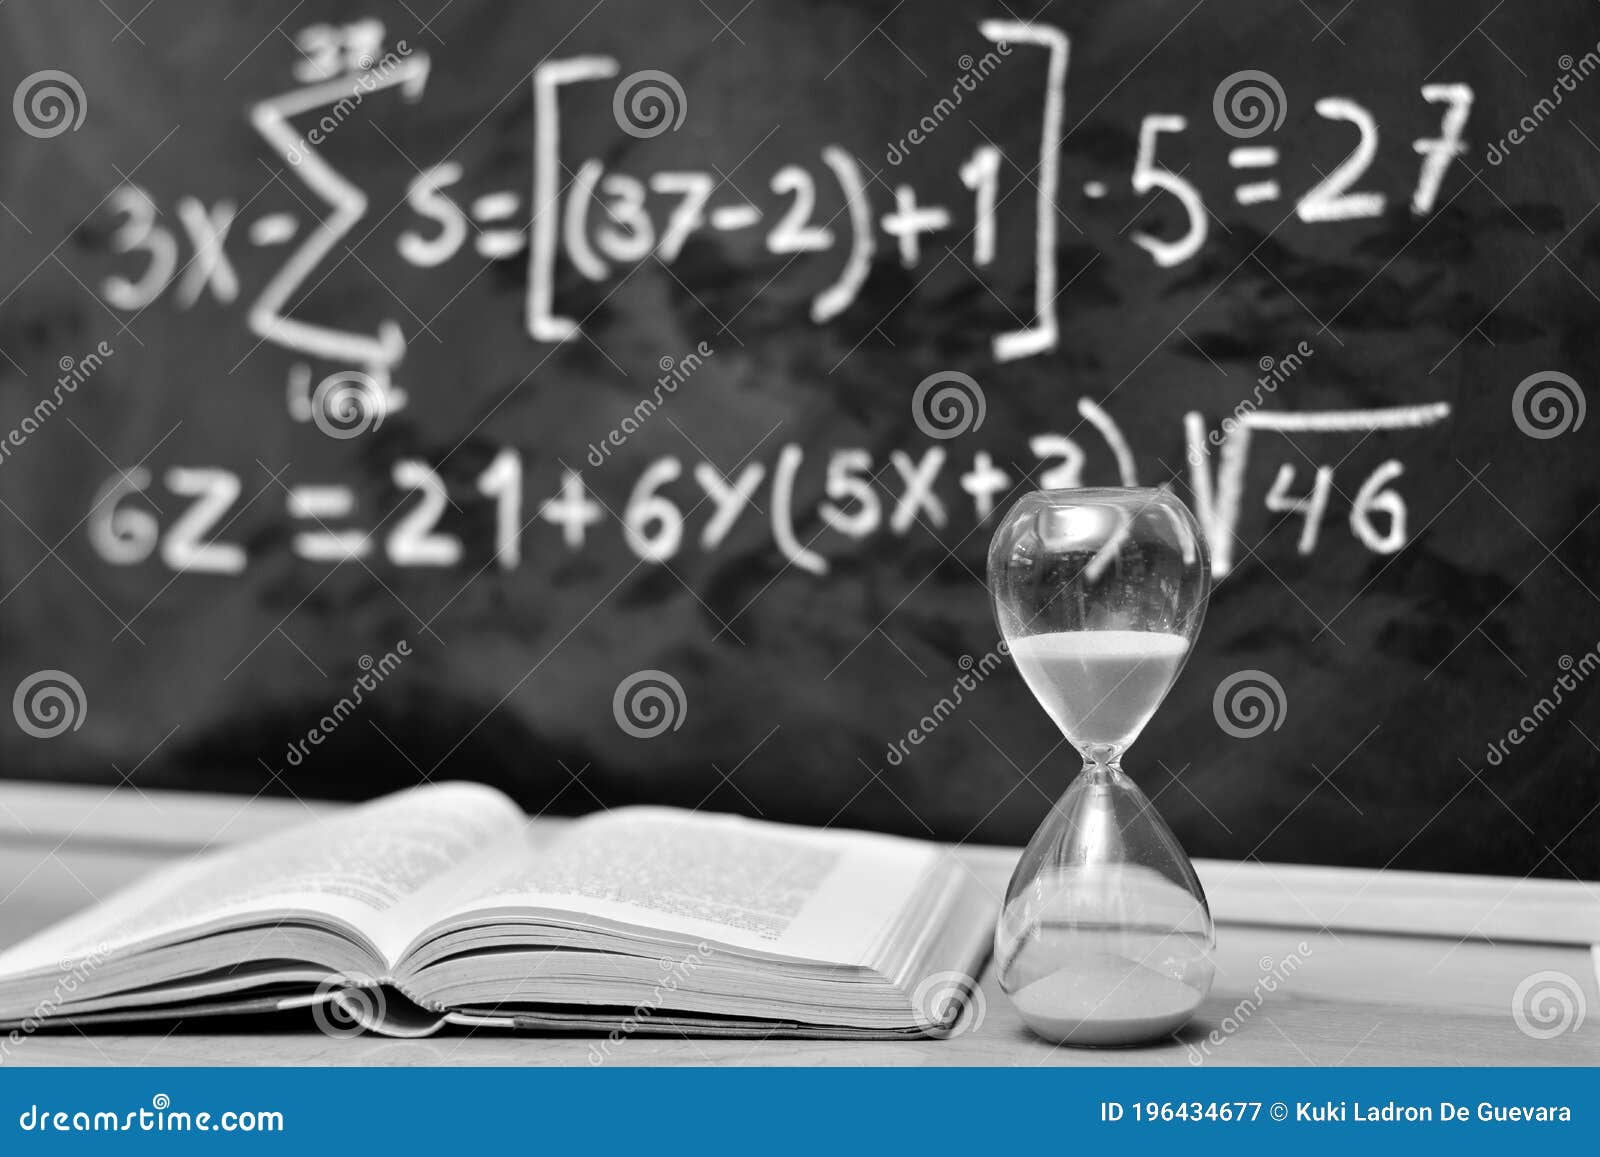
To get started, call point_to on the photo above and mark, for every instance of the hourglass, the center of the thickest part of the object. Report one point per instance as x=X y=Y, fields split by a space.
x=1105 y=937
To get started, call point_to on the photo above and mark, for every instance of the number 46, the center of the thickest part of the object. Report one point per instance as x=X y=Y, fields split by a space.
x=1374 y=498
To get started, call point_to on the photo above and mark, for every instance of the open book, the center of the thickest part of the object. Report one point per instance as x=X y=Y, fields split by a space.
x=444 y=905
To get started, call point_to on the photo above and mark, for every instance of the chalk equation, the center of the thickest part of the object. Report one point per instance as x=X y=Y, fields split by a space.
x=673 y=504
x=599 y=220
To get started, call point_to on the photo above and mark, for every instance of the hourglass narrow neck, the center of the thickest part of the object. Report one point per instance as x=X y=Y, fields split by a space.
x=1102 y=762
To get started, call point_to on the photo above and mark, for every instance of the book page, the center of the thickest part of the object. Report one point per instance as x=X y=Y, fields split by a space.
x=352 y=868
x=766 y=888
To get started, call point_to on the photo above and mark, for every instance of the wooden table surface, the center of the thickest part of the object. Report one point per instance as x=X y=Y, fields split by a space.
x=1359 y=986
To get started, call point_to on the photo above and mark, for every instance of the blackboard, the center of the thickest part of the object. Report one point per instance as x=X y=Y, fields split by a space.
x=610 y=402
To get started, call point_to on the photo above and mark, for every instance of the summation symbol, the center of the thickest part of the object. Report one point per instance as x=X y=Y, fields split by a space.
x=271 y=316
x=1255 y=157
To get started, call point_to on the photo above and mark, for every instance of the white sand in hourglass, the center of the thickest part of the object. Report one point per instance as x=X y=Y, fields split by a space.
x=1101 y=687
x=1115 y=955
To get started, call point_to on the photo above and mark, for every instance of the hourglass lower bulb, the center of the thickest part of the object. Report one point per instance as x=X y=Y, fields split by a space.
x=1105 y=937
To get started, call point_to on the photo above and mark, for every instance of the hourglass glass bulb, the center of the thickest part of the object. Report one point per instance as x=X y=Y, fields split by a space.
x=1105 y=937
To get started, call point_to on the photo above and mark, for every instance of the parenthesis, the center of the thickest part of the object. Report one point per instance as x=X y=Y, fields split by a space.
x=575 y=222
x=834 y=300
